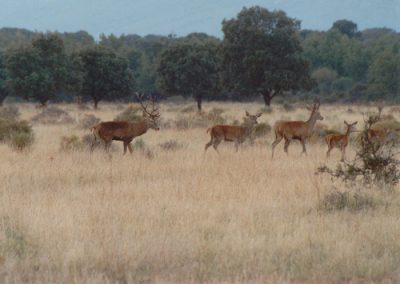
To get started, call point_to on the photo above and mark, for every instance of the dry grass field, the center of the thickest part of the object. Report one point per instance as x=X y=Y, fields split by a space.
x=181 y=216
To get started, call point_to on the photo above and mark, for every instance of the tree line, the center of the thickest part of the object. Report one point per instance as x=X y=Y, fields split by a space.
x=262 y=53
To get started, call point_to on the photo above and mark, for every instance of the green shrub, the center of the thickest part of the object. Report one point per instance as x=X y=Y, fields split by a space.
x=348 y=200
x=88 y=121
x=171 y=145
x=139 y=144
x=9 y=112
x=288 y=107
x=132 y=114
x=53 y=115
x=20 y=140
x=262 y=129
x=266 y=109
x=17 y=134
x=71 y=143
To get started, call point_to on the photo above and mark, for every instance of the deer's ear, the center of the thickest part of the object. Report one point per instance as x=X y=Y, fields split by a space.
x=247 y=113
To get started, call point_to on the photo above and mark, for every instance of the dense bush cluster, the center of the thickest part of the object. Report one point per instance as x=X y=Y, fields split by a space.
x=16 y=133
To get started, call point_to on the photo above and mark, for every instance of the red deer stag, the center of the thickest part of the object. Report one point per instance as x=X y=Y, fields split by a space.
x=232 y=133
x=126 y=131
x=339 y=141
x=299 y=130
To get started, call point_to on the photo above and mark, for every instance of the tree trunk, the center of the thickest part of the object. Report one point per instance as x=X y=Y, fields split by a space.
x=96 y=102
x=267 y=98
x=198 y=104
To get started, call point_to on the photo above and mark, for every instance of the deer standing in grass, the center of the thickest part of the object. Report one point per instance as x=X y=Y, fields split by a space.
x=232 y=133
x=126 y=131
x=339 y=141
x=299 y=130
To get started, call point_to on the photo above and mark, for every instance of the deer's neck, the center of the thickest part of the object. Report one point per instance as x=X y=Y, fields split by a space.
x=140 y=127
x=311 y=121
x=347 y=132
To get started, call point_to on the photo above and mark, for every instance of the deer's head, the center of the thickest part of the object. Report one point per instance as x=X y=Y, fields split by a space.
x=315 y=114
x=350 y=126
x=252 y=119
x=151 y=117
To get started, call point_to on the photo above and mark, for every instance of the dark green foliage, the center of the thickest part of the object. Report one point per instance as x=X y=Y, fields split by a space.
x=71 y=143
x=189 y=70
x=3 y=77
x=46 y=69
x=261 y=53
x=105 y=75
x=346 y=27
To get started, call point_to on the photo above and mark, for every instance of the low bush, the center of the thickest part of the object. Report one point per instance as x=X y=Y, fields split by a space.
x=88 y=121
x=53 y=115
x=348 y=200
x=9 y=112
x=266 y=109
x=262 y=129
x=288 y=107
x=20 y=140
x=17 y=134
x=171 y=145
x=71 y=143
x=132 y=114
x=188 y=109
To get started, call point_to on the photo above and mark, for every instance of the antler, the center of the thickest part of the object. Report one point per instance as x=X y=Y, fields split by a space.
x=154 y=112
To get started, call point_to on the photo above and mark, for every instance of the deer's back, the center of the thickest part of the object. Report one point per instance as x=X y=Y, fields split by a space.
x=291 y=128
x=228 y=132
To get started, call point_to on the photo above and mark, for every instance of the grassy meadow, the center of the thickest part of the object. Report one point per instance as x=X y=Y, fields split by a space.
x=178 y=215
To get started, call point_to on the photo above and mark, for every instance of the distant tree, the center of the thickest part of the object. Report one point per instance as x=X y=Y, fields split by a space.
x=3 y=89
x=384 y=75
x=189 y=70
x=346 y=27
x=38 y=71
x=261 y=53
x=105 y=75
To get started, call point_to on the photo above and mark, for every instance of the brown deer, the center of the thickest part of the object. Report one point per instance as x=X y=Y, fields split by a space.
x=232 y=133
x=299 y=130
x=126 y=131
x=339 y=140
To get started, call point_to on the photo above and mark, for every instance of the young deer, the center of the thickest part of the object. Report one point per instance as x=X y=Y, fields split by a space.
x=299 y=130
x=339 y=141
x=126 y=131
x=232 y=133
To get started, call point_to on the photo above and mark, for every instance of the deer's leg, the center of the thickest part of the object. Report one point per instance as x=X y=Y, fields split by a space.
x=304 y=146
x=130 y=147
x=107 y=146
x=343 y=152
x=93 y=143
x=125 y=146
x=329 y=150
x=287 y=143
x=217 y=141
x=237 y=145
x=208 y=144
x=276 y=142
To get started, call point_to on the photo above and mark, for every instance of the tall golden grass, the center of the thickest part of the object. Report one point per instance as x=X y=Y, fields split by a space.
x=183 y=216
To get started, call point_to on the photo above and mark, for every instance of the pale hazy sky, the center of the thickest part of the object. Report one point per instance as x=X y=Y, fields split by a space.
x=184 y=16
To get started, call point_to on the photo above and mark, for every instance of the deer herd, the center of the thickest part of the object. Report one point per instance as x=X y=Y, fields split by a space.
x=283 y=129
